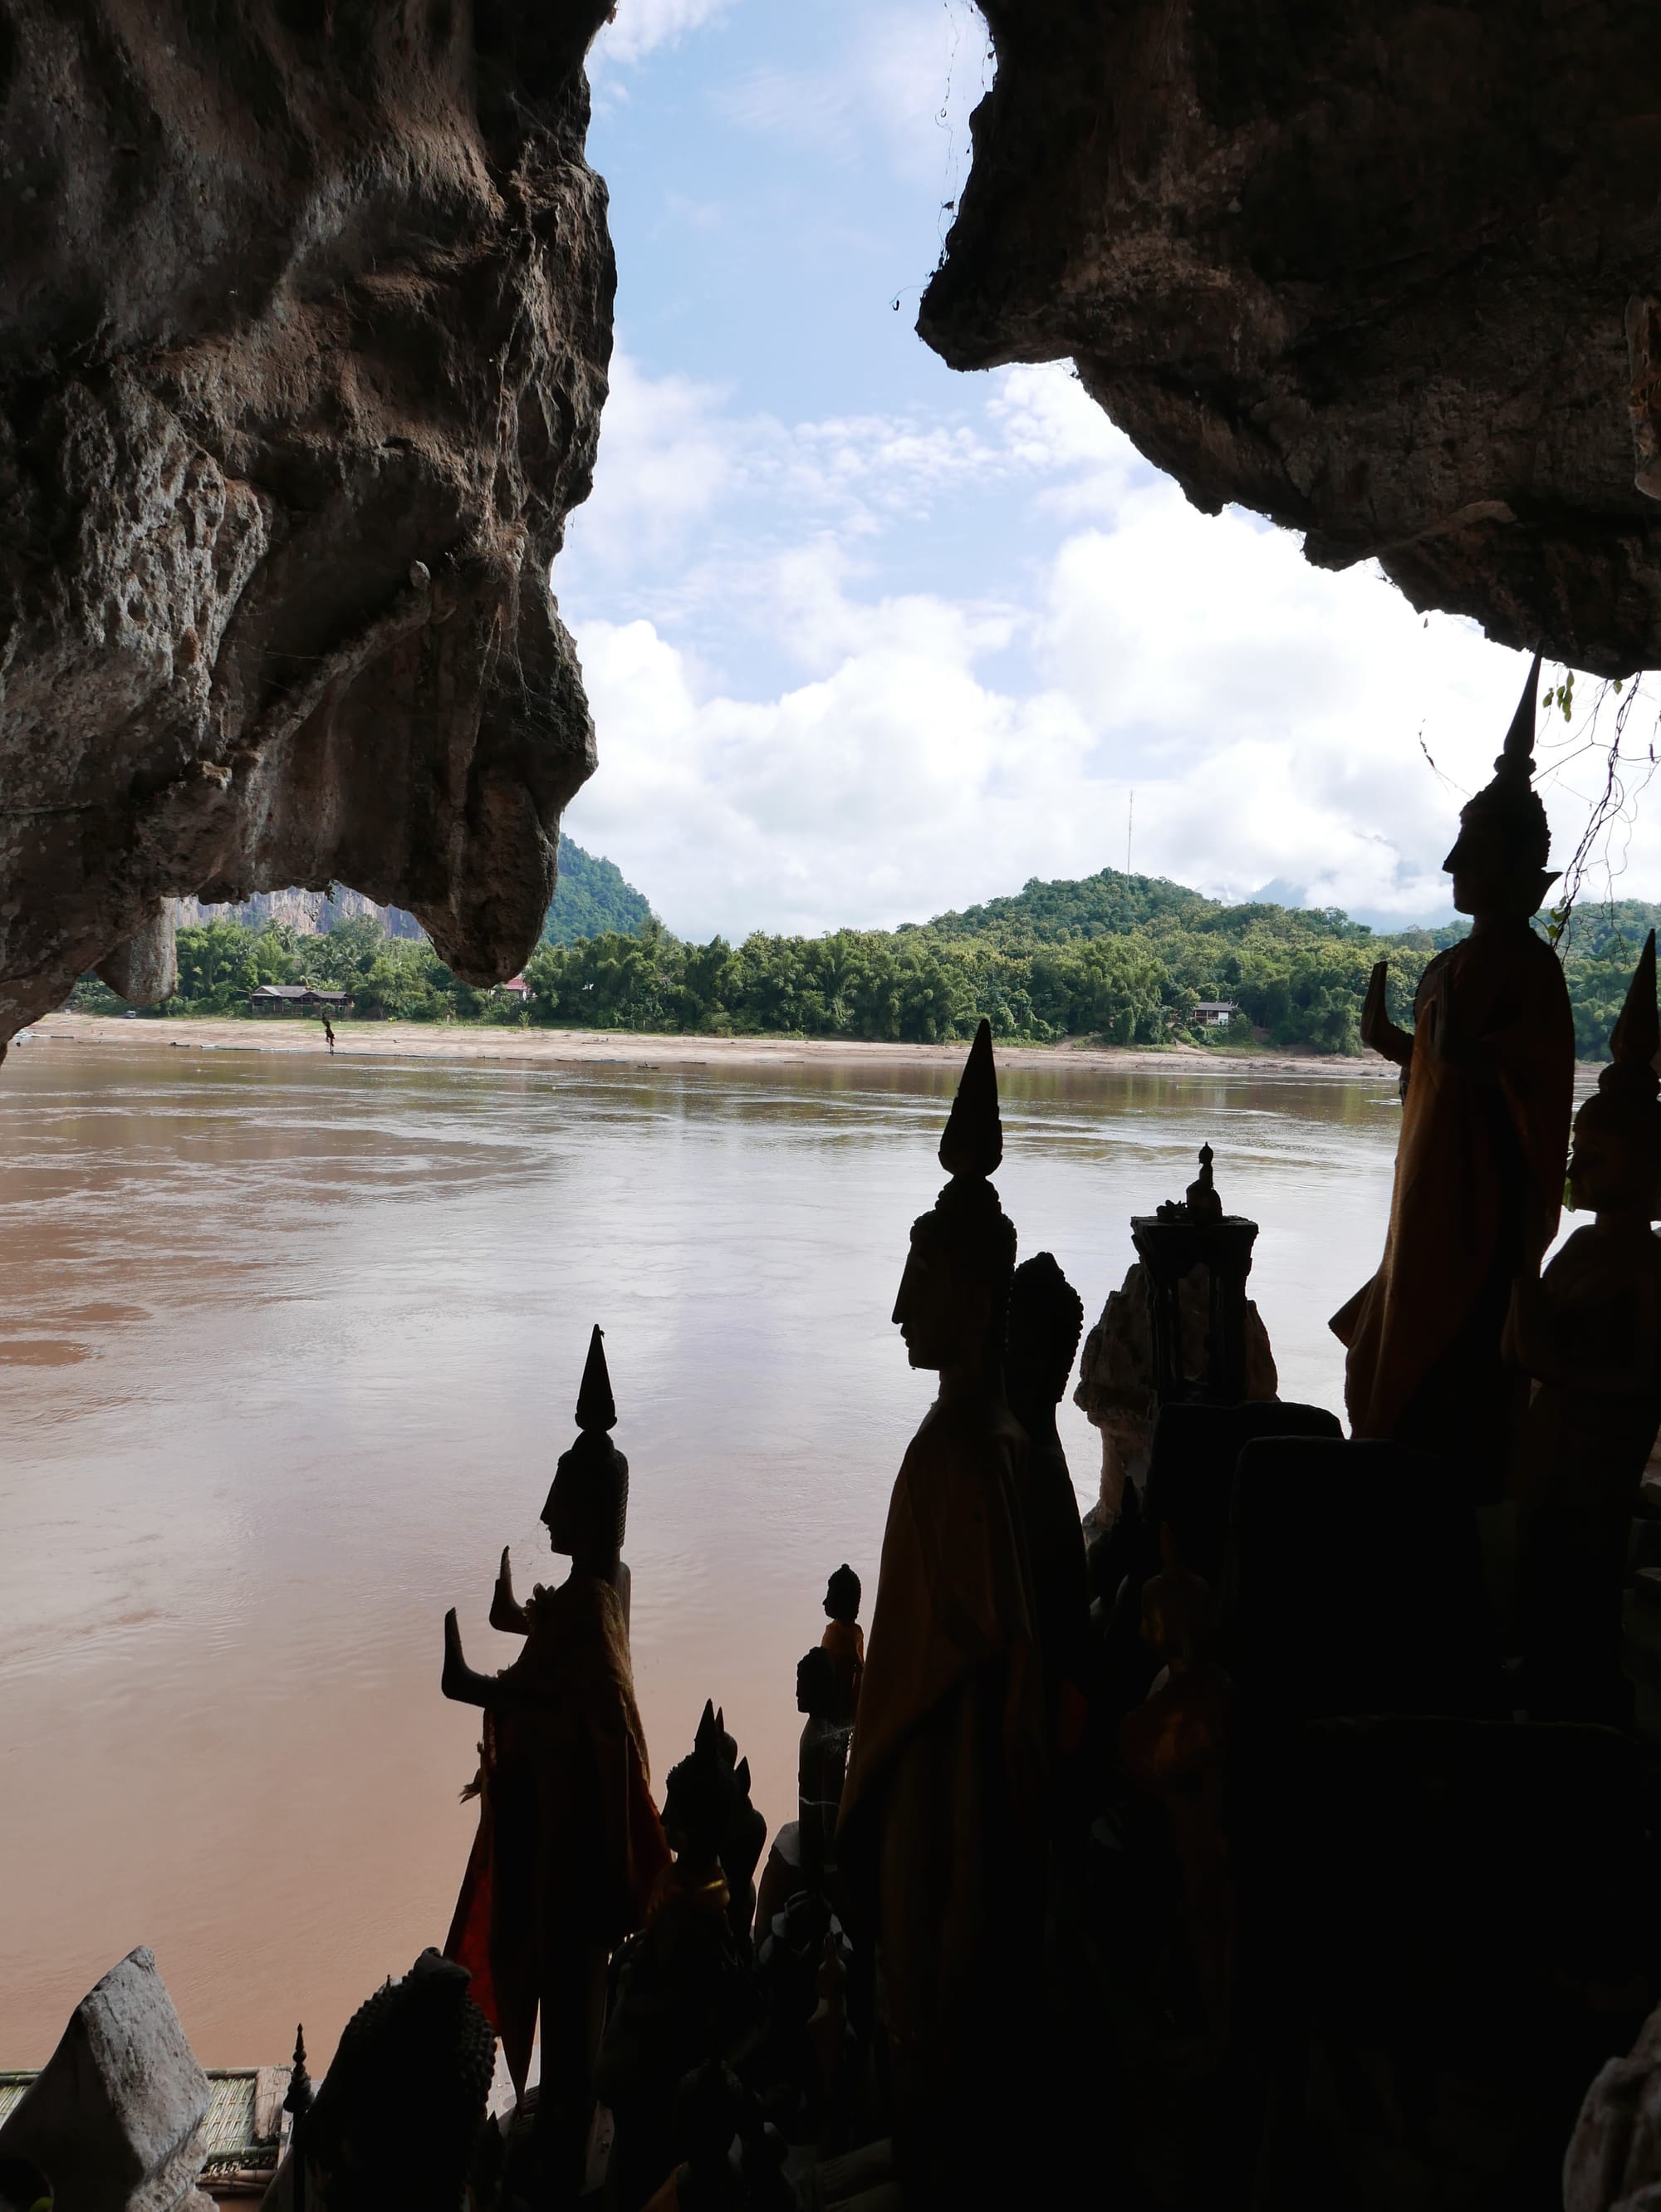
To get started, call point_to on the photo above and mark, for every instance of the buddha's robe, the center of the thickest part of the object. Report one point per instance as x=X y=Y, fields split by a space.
x=1479 y=1180
x=845 y=1642
x=941 y=1837
x=1061 y=1584
x=569 y=1843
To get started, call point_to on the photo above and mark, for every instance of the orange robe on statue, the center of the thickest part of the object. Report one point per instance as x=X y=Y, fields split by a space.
x=569 y=1845
x=1479 y=1181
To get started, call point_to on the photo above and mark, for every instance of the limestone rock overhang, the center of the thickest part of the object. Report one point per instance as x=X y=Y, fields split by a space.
x=1365 y=271
x=305 y=324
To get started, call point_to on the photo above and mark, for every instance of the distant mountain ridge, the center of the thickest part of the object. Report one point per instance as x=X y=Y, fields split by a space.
x=1120 y=958
x=1070 y=910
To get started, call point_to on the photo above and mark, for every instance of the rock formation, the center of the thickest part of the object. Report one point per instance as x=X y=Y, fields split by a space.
x=114 y=2119
x=304 y=332
x=1383 y=274
x=308 y=914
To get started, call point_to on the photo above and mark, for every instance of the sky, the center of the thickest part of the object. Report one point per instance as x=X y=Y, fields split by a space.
x=866 y=639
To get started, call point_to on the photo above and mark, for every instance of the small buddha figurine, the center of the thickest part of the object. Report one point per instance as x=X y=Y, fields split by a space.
x=1201 y=1197
x=681 y=1983
x=1046 y=1319
x=1589 y=1330
x=1174 y=1745
x=569 y=1845
x=1489 y=1078
x=942 y=1842
x=821 y=1762
x=746 y=1833
x=844 y=1639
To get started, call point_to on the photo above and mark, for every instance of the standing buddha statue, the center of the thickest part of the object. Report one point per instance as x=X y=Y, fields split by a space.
x=1589 y=1330
x=1046 y=1319
x=941 y=1839
x=1488 y=1080
x=569 y=1845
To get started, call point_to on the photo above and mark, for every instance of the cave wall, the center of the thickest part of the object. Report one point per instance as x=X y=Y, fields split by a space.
x=1365 y=271
x=305 y=320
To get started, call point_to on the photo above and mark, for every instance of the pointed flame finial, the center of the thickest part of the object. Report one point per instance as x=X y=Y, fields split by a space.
x=1516 y=759
x=973 y=1142
x=1637 y=1035
x=597 y=1409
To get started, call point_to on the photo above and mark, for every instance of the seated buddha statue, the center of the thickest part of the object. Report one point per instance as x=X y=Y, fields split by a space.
x=682 y=1992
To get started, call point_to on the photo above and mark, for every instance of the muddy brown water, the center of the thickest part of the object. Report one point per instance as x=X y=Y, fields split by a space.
x=288 y=1350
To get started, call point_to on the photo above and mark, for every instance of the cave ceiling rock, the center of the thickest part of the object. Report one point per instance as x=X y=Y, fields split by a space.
x=304 y=325
x=1383 y=274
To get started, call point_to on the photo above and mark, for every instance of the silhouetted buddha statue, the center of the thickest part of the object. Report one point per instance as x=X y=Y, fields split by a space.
x=745 y=1837
x=821 y=1762
x=569 y=1845
x=399 y=2117
x=1174 y=1745
x=1590 y=1328
x=683 y=1986
x=844 y=1639
x=1479 y=1165
x=1046 y=1319
x=941 y=1841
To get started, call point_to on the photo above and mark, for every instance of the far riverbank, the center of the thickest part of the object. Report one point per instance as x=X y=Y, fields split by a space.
x=633 y=1048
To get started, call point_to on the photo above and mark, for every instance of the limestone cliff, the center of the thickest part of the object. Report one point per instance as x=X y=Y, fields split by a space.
x=1385 y=273
x=304 y=320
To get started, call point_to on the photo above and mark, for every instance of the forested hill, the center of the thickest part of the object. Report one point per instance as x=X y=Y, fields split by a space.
x=1112 y=904
x=1119 y=959
x=591 y=898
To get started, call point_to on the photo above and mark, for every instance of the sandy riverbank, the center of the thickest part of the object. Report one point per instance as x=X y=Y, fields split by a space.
x=435 y=1041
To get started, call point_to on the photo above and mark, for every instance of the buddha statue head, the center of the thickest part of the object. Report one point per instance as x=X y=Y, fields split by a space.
x=816 y=1691
x=954 y=1295
x=842 y=1595
x=699 y=1797
x=1046 y=1319
x=1498 y=861
x=587 y=1508
x=1615 y=1167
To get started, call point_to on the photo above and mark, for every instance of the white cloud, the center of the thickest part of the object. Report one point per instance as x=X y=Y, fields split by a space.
x=639 y=27
x=665 y=459
x=920 y=749
x=905 y=76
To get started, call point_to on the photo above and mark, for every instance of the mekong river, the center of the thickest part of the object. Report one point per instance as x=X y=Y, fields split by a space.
x=288 y=1348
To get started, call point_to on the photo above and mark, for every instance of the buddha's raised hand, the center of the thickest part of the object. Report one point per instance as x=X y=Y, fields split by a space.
x=506 y=1613
x=1378 y=1032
